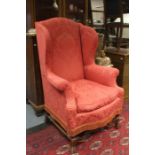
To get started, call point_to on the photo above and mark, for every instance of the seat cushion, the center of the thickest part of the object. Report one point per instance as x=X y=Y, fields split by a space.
x=91 y=95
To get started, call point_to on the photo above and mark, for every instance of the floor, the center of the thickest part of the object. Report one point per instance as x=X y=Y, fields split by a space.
x=31 y=119
x=111 y=141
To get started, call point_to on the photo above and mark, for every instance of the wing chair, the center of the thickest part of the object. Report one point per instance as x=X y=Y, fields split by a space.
x=79 y=94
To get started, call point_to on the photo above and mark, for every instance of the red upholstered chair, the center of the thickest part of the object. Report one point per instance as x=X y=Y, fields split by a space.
x=79 y=94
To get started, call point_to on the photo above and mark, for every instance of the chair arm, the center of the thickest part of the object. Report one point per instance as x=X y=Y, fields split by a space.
x=71 y=107
x=102 y=74
x=58 y=82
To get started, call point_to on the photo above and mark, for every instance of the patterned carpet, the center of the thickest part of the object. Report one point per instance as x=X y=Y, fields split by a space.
x=49 y=141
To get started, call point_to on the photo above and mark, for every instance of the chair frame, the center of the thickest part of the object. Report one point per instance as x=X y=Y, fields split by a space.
x=82 y=137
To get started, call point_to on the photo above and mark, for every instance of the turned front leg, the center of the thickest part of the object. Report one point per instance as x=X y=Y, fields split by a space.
x=116 y=122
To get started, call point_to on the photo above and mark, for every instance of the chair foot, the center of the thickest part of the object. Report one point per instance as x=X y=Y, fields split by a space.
x=72 y=146
x=74 y=141
x=116 y=122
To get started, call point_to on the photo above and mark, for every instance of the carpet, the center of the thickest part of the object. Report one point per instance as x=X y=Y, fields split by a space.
x=49 y=141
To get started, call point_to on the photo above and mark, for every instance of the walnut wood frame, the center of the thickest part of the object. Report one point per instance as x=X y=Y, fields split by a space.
x=82 y=137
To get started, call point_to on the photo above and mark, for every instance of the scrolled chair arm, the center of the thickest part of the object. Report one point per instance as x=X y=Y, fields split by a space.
x=57 y=81
x=101 y=74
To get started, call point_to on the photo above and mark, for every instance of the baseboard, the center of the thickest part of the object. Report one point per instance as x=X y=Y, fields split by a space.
x=36 y=128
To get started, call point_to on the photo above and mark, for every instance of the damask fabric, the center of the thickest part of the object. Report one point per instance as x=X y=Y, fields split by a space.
x=49 y=141
x=77 y=93
x=64 y=56
x=92 y=96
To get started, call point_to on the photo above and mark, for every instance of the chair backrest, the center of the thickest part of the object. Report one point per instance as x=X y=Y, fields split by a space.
x=59 y=46
x=113 y=9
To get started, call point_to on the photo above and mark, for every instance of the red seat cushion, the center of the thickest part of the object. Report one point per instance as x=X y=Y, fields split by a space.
x=91 y=95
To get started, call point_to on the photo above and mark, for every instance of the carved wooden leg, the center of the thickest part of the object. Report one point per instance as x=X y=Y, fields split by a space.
x=73 y=146
x=116 y=122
